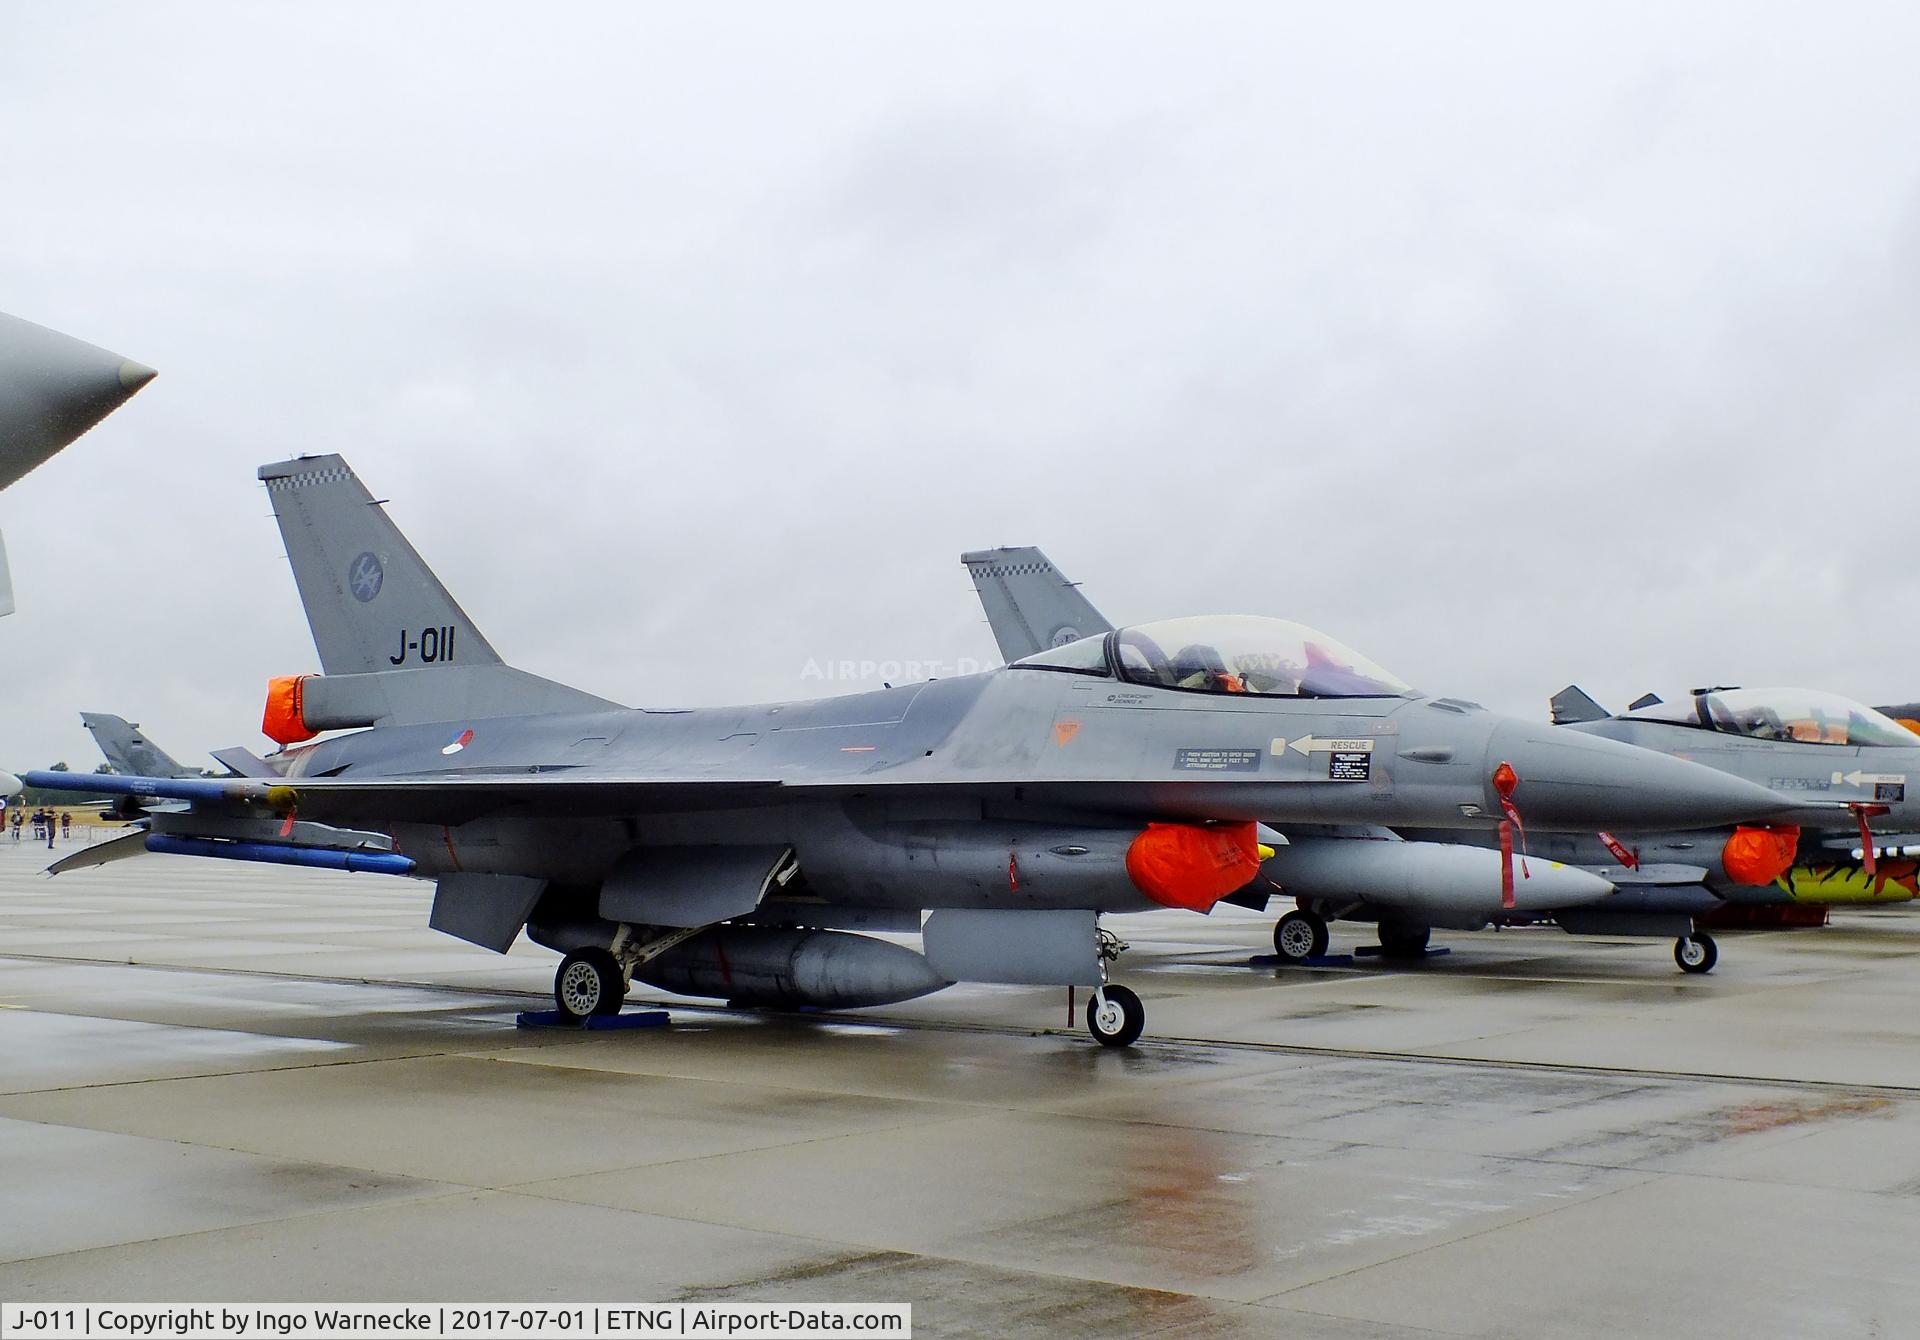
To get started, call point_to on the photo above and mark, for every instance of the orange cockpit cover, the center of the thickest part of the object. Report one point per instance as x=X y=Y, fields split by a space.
x=1187 y=865
x=1759 y=855
x=284 y=722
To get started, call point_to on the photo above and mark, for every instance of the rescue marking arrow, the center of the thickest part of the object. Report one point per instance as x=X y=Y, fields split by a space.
x=1857 y=778
x=1307 y=744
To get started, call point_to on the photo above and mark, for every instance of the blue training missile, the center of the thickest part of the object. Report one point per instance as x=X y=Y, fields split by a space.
x=280 y=853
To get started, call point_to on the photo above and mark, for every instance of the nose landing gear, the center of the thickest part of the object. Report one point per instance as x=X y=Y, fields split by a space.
x=1696 y=953
x=1115 y=1015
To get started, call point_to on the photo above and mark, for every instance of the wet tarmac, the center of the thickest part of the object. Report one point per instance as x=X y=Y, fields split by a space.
x=232 y=1083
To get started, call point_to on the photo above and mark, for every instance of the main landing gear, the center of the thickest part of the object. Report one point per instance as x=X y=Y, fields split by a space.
x=1398 y=940
x=1696 y=952
x=1299 y=936
x=589 y=982
x=1115 y=1015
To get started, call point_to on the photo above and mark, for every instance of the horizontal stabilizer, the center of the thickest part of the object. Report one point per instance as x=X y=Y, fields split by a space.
x=242 y=762
x=103 y=853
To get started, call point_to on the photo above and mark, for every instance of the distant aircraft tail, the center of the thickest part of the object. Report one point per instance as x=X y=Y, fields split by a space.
x=395 y=646
x=128 y=752
x=372 y=603
x=1572 y=705
x=1030 y=605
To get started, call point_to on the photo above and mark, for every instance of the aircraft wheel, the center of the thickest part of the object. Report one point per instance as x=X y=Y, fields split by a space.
x=1115 y=1016
x=1696 y=952
x=1299 y=936
x=1402 y=941
x=589 y=982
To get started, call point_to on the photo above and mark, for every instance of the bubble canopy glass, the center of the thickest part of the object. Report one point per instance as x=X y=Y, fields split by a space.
x=1228 y=653
x=1804 y=716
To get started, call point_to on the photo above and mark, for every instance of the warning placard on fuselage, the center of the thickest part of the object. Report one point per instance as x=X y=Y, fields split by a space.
x=1349 y=765
x=1217 y=760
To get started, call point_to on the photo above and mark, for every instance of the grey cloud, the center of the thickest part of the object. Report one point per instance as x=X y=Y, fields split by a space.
x=1513 y=347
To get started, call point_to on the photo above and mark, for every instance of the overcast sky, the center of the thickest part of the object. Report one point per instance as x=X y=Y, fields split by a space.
x=1512 y=345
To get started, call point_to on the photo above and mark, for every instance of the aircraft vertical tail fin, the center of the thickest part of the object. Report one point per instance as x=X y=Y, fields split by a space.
x=1572 y=705
x=128 y=751
x=395 y=647
x=1030 y=605
x=371 y=601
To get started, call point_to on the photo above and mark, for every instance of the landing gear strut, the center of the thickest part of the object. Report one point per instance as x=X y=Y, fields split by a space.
x=589 y=982
x=1115 y=1015
x=1696 y=952
x=1299 y=936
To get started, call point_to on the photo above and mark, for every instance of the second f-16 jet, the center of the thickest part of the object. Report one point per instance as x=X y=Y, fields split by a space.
x=1851 y=759
x=736 y=852
x=1858 y=759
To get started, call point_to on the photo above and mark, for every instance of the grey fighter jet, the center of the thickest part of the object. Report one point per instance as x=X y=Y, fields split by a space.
x=729 y=851
x=1793 y=741
x=52 y=389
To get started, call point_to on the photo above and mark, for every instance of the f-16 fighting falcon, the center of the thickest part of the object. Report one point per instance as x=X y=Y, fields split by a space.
x=52 y=389
x=1793 y=741
x=731 y=852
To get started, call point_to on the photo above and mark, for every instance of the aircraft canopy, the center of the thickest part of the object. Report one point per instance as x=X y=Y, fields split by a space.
x=1804 y=716
x=1228 y=653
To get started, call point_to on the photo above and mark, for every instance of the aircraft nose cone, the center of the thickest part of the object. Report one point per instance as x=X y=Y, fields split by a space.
x=134 y=375
x=52 y=389
x=1573 y=781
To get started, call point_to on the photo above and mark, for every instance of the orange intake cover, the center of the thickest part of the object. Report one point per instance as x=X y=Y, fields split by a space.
x=1191 y=866
x=284 y=722
x=1759 y=855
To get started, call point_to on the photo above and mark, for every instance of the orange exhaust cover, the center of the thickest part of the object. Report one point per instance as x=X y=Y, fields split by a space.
x=1190 y=866
x=284 y=721
x=1759 y=855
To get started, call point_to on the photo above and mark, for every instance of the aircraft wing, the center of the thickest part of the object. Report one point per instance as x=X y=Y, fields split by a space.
x=442 y=798
x=438 y=799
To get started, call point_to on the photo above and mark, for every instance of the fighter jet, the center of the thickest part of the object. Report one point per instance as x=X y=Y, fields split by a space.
x=1796 y=741
x=52 y=389
x=729 y=851
x=1793 y=741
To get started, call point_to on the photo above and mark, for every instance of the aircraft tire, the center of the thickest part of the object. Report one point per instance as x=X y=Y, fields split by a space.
x=1696 y=953
x=1399 y=940
x=1299 y=936
x=589 y=982
x=1115 y=1016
